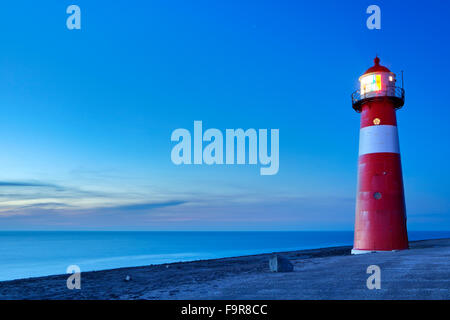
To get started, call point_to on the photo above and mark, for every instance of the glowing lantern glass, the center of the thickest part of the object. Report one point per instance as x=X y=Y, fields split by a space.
x=370 y=83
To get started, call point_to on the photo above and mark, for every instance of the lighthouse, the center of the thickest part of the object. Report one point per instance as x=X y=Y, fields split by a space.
x=380 y=218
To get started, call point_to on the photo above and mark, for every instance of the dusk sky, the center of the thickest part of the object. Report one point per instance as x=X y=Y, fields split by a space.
x=86 y=115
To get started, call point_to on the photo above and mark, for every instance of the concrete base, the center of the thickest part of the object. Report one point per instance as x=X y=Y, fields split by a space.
x=358 y=251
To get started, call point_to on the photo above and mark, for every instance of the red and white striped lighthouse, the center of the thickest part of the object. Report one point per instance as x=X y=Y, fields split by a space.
x=380 y=223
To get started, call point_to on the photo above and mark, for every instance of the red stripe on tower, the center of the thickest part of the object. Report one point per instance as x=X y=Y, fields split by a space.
x=380 y=222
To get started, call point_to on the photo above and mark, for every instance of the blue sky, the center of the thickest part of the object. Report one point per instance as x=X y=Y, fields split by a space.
x=86 y=115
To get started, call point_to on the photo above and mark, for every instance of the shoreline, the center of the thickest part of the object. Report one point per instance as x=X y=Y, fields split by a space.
x=313 y=252
x=248 y=277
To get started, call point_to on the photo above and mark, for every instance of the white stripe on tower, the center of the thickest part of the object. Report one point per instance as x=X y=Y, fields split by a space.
x=378 y=138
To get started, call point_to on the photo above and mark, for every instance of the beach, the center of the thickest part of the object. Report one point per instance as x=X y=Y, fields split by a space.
x=423 y=272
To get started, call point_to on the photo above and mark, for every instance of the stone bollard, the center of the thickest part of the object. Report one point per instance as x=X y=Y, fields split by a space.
x=280 y=264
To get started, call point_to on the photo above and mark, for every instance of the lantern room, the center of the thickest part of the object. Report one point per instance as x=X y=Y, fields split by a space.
x=378 y=82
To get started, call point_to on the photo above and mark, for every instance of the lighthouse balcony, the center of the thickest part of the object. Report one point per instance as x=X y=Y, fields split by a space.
x=396 y=94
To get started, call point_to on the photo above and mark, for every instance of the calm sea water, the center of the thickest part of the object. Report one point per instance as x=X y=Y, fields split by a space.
x=32 y=254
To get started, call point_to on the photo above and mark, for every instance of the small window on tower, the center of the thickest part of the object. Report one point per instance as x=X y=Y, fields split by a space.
x=370 y=83
x=391 y=78
x=376 y=121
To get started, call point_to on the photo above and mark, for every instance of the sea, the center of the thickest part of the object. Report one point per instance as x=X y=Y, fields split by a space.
x=25 y=254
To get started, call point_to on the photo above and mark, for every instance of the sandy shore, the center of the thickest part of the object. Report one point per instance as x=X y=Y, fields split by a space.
x=423 y=272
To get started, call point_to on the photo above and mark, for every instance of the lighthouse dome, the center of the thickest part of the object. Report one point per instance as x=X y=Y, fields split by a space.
x=377 y=67
x=378 y=82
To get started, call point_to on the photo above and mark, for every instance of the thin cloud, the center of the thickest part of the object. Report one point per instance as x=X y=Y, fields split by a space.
x=57 y=208
x=147 y=206
x=46 y=205
x=27 y=184
x=35 y=190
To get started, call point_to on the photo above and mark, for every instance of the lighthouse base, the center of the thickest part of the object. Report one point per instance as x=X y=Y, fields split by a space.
x=358 y=251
